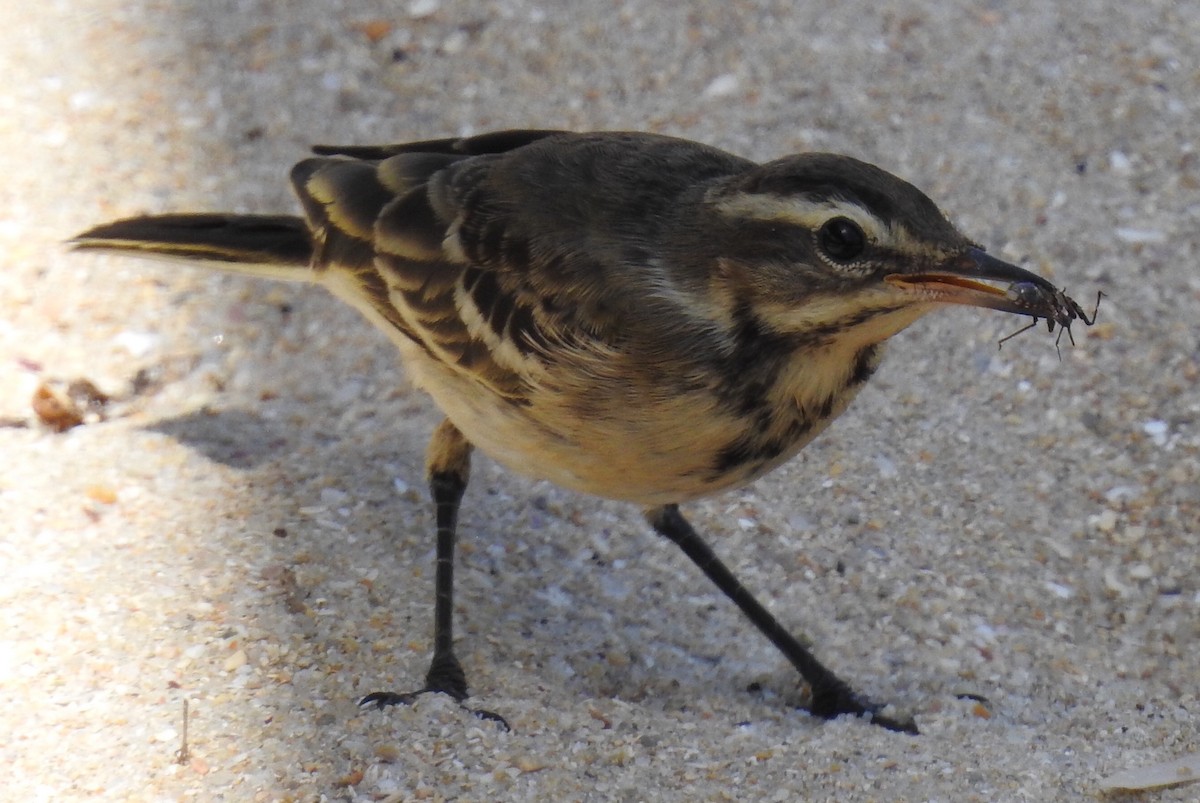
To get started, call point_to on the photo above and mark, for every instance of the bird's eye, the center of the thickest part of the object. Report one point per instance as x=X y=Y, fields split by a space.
x=841 y=239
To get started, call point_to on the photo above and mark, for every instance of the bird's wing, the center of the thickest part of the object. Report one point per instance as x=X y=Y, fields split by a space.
x=488 y=250
x=491 y=142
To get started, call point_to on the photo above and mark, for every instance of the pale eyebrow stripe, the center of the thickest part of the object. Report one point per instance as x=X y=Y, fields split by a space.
x=801 y=212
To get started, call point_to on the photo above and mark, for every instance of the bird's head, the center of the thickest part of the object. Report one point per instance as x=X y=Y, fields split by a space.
x=834 y=247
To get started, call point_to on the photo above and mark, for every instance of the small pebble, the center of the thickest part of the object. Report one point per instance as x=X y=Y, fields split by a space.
x=235 y=661
x=1157 y=430
x=1140 y=571
x=1119 y=163
x=721 y=86
x=1132 y=235
x=420 y=9
x=1105 y=522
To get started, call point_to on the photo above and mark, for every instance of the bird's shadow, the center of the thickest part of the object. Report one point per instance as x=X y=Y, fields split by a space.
x=245 y=440
x=235 y=438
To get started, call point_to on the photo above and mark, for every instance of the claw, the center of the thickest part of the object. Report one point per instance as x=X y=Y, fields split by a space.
x=835 y=701
x=380 y=700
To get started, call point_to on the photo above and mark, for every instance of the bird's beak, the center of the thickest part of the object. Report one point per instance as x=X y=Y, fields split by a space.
x=964 y=279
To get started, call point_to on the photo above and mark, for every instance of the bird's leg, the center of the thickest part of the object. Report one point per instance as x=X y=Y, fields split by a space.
x=831 y=696
x=447 y=464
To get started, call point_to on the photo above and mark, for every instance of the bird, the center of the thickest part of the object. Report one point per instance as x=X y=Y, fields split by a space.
x=629 y=315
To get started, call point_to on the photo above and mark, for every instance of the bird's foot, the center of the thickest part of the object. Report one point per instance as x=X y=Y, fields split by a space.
x=837 y=699
x=383 y=699
x=445 y=676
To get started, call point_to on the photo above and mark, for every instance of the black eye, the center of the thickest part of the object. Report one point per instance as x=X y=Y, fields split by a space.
x=841 y=239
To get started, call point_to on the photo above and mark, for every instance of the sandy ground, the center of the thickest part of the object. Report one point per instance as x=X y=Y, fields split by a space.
x=247 y=529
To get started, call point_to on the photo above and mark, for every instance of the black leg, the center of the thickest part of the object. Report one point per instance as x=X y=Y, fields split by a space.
x=445 y=673
x=448 y=465
x=831 y=696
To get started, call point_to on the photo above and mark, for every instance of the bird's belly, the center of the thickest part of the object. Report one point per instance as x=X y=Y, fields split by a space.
x=651 y=450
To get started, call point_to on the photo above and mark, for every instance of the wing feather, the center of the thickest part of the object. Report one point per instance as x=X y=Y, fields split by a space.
x=495 y=262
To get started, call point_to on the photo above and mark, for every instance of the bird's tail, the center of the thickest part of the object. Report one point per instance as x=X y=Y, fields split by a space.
x=269 y=246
